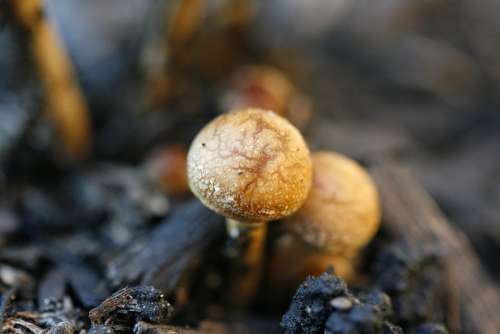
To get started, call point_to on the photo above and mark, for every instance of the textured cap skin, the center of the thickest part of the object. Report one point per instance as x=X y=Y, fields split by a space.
x=342 y=212
x=250 y=165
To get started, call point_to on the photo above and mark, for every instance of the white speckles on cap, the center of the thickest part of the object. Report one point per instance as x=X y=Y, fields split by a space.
x=341 y=303
x=250 y=165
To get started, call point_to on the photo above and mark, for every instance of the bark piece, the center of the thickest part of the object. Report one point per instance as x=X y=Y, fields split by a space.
x=411 y=215
x=185 y=233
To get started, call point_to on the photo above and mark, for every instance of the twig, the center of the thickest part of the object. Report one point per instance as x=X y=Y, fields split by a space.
x=65 y=102
x=185 y=233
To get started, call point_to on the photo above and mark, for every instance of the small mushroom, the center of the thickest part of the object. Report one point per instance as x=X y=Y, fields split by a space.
x=266 y=87
x=166 y=167
x=342 y=212
x=340 y=216
x=252 y=166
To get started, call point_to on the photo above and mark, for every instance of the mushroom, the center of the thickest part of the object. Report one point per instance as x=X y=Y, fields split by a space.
x=266 y=87
x=340 y=216
x=252 y=166
x=166 y=167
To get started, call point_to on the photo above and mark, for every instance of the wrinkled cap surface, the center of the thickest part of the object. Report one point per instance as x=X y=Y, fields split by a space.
x=342 y=212
x=250 y=165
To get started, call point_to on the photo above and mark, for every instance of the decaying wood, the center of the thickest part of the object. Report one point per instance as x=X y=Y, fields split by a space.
x=412 y=216
x=169 y=246
x=141 y=302
x=65 y=102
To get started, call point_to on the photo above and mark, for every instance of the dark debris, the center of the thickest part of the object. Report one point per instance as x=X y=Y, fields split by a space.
x=146 y=261
x=311 y=305
x=56 y=317
x=416 y=283
x=431 y=328
x=325 y=305
x=131 y=305
x=127 y=306
x=68 y=233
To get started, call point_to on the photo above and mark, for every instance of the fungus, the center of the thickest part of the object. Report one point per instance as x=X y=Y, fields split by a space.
x=251 y=166
x=340 y=216
x=166 y=167
x=342 y=212
x=268 y=88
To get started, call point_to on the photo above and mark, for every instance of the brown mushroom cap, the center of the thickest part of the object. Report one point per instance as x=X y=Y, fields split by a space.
x=250 y=165
x=342 y=212
x=259 y=86
x=166 y=166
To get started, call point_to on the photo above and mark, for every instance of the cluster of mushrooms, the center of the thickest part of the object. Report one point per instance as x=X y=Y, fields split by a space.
x=253 y=166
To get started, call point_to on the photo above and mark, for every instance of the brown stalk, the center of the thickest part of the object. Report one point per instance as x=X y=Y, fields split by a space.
x=66 y=105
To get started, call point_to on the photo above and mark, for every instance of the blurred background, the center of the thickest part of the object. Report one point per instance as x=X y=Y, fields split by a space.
x=412 y=80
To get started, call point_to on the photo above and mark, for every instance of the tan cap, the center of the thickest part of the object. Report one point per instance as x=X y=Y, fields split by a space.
x=259 y=86
x=342 y=212
x=250 y=165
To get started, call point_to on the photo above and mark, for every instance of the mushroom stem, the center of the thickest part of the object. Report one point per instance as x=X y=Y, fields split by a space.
x=339 y=218
x=250 y=238
x=284 y=275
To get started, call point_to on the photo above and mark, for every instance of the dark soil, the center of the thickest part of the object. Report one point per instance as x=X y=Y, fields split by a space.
x=97 y=246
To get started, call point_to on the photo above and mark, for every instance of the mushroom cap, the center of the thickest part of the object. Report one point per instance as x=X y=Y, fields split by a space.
x=166 y=167
x=342 y=212
x=250 y=165
x=259 y=86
